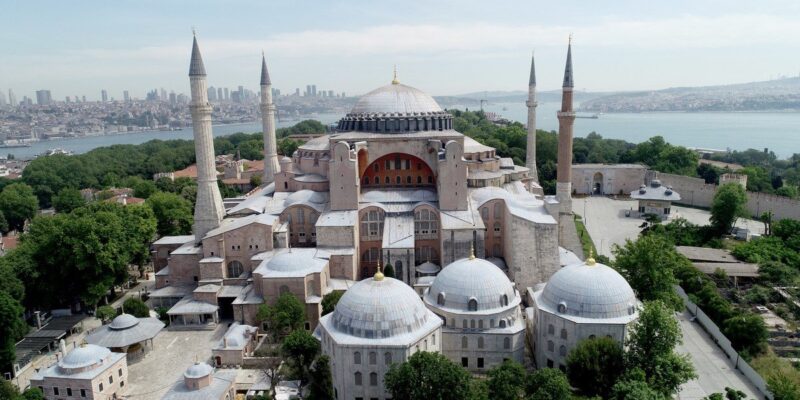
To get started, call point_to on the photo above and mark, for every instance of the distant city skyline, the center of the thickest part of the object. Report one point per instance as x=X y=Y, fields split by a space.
x=445 y=48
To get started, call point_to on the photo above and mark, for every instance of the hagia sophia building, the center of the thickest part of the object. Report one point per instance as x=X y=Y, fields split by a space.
x=474 y=244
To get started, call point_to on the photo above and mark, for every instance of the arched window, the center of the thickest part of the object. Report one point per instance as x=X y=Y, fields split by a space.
x=387 y=358
x=480 y=342
x=372 y=224
x=440 y=299
x=235 y=269
x=398 y=180
x=550 y=345
x=426 y=224
x=484 y=214
x=472 y=305
x=419 y=179
x=502 y=323
x=563 y=333
x=377 y=179
x=310 y=288
x=373 y=379
x=357 y=358
x=357 y=377
x=464 y=324
x=472 y=324
x=504 y=300
x=480 y=324
x=491 y=323
x=366 y=180
x=408 y=179
x=507 y=343
x=498 y=210
x=551 y=330
x=464 y=342
x=562 y=351
x=373 y=358
x=387 y=180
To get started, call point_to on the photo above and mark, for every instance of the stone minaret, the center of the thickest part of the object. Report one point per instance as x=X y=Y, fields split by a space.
x=530 y=158
x=271 y=165
x=566 y=119
x=208 y=210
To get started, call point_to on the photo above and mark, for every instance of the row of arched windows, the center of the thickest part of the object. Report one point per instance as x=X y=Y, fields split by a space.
x=481 y=345
x=373 y=358
x=472 y=305
x=373 y=379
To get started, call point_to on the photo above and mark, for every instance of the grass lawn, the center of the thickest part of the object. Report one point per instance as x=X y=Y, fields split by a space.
x=586 y=241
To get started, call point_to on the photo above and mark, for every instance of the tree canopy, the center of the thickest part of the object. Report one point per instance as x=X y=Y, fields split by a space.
x=18 y=204
x=427 y=376
x=595 y=365
x=728 y=205
x=649 y=265
x=173 y=213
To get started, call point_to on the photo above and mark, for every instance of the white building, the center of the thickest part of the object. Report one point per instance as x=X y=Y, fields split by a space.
x=202 y=382
x=481 y=312
x=87 y=372
x=377 y=322
x=581 y=301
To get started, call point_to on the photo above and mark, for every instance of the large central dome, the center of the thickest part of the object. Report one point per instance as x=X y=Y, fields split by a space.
x=396 y=98
x=396 y=108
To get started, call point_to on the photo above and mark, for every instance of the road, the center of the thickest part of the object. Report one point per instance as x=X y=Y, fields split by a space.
x=606 y=222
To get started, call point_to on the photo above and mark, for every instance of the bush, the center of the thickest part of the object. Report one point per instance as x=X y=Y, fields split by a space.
x=105 y=313
x=136 y=307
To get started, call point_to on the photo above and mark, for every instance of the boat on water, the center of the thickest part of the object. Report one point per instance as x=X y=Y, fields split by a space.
x=592 y=116
x=13 y=145
x=56 y=151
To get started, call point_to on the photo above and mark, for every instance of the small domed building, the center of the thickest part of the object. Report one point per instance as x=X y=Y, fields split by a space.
x=201 y=381
x=127 y=334
x=86 y=372
x=480 y=308
x=581 y=301
x=378 y=322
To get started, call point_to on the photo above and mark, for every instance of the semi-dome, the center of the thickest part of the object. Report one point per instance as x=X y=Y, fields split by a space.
x=123 y=321
x=396 y=99
x=379 y=307
x=471 y=280
x=589 y=290
x=84 y=356
x=396 y=108
x=198 y=370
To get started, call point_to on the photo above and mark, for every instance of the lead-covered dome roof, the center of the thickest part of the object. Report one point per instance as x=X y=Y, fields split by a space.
x=471 y=279
x=84 y=356
x=396 y=108
x=589 y=290
x=123 y=321
x=379 y=308
x=198 y=370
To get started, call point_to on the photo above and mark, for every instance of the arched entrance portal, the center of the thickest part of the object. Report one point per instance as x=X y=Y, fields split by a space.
x=398 y=170
x=597 y=185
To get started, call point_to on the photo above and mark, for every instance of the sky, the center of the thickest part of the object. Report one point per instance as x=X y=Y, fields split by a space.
x=444 y=47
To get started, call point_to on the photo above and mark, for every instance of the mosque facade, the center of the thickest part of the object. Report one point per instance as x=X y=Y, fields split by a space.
x=468 y=234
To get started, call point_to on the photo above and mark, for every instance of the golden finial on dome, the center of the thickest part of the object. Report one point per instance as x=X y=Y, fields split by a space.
x=394 y=79
x=379 y=275
x=471 y=251
x=590 y=261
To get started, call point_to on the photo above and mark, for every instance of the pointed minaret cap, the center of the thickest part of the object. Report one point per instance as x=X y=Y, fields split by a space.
x=264 y=72
x=568 y=82
x=532 y=79
x=196 y=67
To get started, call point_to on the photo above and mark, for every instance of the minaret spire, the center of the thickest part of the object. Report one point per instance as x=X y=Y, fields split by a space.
x=530 y=157
x=566 y=120
x=271 y=165
x=208 y=211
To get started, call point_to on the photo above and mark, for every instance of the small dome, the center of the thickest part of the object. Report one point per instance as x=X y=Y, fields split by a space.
x=305 y=196
x=198 y=370
x=589 y=291
x=471 y=279
x=123 y=321
x=84 y=356
x=379 y=309
x=396 y=98
x=288 y=261
x=428 y=268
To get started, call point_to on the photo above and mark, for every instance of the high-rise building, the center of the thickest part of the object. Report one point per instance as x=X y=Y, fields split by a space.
x=297 y=91
x=212 y=94
x=163 y=95
x=208 y=211
x=220 y=96
x=343 y=95
x=43 y=97
x=12 y=99
x=313 y=90
x=126 y=96
x=173 y=98
x=308 y=90
x=104 y=95
x=83 y=99
x=227 y=94
x=330 y=93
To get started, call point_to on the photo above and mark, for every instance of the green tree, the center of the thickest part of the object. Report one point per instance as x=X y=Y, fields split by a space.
x=67 y=200
x=635 y=389
x=783 y=388
x=301 y=348
x=144 y=189
x=649 y=266
x=506 y=381
x=595 y=365
x=747 y=333
x=3 y=223
x=777 y=273
x=255 y=180
x=173 y=213
x=287 y=314
x=330 y=300
x=33 y=394
x=728 y=205
x=651 y=349
x=287 y=147
x=12 y=329
x=548 y=384
x=105 y=313
x=321 y=387
x=18 y=204
x=427 y=376
x=136 y=307
x=787 y=191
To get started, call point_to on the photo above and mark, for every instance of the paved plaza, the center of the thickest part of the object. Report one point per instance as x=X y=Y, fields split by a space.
x=173 y=352
x=607 y=224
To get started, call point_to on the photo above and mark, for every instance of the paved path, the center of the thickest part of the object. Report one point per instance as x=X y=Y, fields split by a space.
x=715 y=370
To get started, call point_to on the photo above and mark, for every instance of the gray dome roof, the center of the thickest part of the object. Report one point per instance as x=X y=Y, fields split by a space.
x=198 y=370
x=286 y=262
x=467 y=279
x=379 y=309
x=84 y=356
x=396 y=98
x=123 y=321
x=589 y=291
